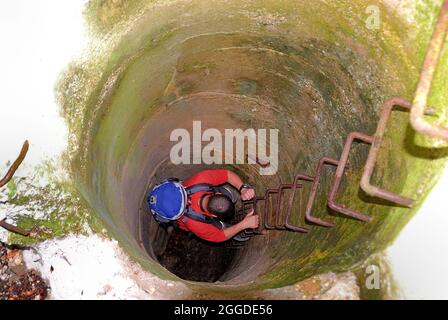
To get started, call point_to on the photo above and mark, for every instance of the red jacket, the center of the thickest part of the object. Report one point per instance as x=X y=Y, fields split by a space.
x=203 y=230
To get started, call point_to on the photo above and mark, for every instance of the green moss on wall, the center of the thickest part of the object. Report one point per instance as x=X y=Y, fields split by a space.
x=311 y=69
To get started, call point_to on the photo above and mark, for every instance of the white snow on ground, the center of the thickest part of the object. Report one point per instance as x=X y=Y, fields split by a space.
x=92 y=267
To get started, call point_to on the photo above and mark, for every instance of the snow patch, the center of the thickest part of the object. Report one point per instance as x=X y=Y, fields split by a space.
x=92 y=267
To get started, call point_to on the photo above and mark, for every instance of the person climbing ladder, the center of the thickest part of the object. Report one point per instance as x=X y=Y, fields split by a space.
x=203 y=204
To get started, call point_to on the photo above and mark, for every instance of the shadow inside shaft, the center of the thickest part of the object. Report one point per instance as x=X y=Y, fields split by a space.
x=191 y=258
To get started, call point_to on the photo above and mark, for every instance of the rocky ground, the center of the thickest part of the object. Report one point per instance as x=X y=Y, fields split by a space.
x=16 y=281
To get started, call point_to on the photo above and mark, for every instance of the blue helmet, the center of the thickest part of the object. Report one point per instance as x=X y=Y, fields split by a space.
x=167 y=200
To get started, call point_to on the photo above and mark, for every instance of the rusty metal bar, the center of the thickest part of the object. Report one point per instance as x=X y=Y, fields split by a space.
x=12 y=170
x=338 y=177
x=374 y=150
x=295 y=185
x=266 y=209
x=309 y=206
x=373 y=155
x=278 y=212
x=17 y=230
x=426 y=78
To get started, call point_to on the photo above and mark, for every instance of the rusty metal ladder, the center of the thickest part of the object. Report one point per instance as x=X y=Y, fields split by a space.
x=280 y=219
x=276 y=215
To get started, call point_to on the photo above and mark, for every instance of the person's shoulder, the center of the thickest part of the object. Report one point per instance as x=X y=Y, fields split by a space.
x=206 y=176
x=212 y=171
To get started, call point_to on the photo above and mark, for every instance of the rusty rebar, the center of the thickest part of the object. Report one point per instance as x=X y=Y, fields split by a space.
x=338 y=177
x=373 y=155
x=278 y=212
x=295 y=186
x=267 y=204
x=13 y=168
x=18 y=230
x=309 y=206
x=275 y=214
x=426 y=78
x=374 y=151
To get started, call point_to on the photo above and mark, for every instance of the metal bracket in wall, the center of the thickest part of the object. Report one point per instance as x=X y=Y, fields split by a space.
x=374 y=150
x=426 y=78
x=338 y=177
x=309 y=206
x=272 y=215
x=282 y=221
x=296 y=188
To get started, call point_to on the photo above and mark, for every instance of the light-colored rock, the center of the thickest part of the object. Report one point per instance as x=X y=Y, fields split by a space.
x=328 y=286
x=92 y=267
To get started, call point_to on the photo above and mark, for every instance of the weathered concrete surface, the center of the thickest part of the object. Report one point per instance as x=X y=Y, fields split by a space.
x=313 y=70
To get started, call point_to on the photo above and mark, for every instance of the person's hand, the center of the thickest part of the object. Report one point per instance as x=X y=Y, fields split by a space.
x=251 y=221
x=247 y=193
